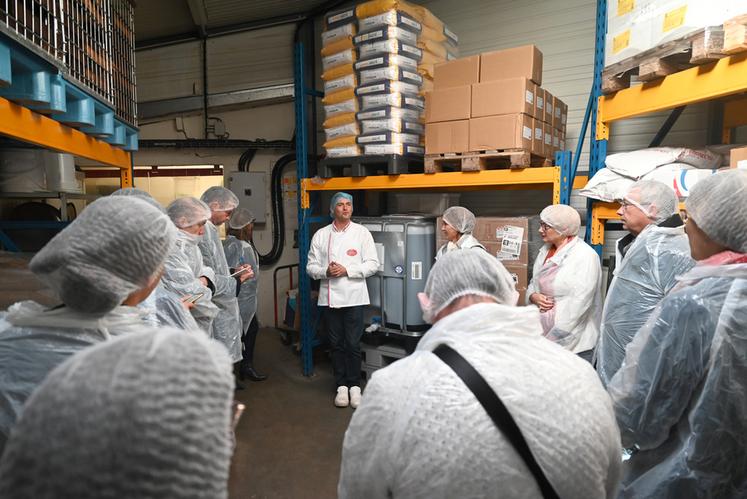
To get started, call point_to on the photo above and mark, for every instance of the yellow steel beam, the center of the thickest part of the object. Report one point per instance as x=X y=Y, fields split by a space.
x=21 y=123
x=725 y=77
x=600 y=213
x=125 y=178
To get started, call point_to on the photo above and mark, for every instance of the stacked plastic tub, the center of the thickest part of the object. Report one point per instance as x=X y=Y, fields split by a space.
x=378 y=60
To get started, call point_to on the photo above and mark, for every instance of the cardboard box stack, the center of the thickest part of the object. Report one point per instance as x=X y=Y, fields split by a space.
x=508 y=238
x=378 y=59
x=738 y=158
x=494 y=101
x=634 y=27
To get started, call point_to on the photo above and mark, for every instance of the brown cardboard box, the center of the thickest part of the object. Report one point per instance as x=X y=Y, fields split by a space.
x=562 y=140
x=507 y=131
x=547 y=137
x=447 y=136
x=557 y=110
x=448 y=104
x=738 y=155
x=456 y=73
x=513 y=232
x=538 y=137
x=563 y=116
x=520 y=274
x=525 y=61
x=514 y=95
x=539 y=103
x=548 y=107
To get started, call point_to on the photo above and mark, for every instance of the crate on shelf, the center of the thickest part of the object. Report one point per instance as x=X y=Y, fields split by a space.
x=483 y=160
x=37 y=22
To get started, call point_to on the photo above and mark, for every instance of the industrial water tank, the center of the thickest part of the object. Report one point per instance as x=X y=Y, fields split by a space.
x=406 y=245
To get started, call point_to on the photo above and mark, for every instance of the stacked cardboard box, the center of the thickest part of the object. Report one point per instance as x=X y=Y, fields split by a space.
x=378 y=60
x=494 y=101
x=643 y=25
x=738 y=158
x=508 y=239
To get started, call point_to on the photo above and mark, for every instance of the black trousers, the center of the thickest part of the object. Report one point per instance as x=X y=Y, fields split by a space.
x=250 y=338
x=345 y=331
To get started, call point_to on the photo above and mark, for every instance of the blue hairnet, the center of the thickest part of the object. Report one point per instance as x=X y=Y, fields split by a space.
x=336 y=198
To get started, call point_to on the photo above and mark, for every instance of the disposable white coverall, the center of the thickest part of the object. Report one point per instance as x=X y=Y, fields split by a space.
x=421 y=433
x=354 y=249
x=35 y=339
x=227 y=324
x=642 y=278
x=467 y=241
x=238 y=253
x=681 y=393
x=181 y=275
x=572 y=277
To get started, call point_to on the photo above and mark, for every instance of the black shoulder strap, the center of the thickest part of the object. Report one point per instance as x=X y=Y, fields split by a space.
x=497 y=412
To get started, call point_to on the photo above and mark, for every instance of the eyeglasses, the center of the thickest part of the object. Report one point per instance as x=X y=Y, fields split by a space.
x=544 y=227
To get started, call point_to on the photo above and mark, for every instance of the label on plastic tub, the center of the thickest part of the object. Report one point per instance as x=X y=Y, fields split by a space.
x=511 y=239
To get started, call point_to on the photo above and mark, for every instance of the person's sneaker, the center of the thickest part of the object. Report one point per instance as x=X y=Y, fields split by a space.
x=355 y=396
x=341 y=399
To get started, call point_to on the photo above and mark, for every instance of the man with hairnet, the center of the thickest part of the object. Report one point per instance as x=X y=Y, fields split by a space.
x=457 y=224
x=227 y=324
x=144 y=415
x=239 y=251
x=420 y=432
x=681 y=394
x=185 y=274
x=100 y=267
x=647 y=263
x=566 y=283
x=341 y=256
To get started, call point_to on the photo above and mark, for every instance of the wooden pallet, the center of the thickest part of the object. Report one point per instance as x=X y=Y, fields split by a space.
x=483 y=160
x=735 y=35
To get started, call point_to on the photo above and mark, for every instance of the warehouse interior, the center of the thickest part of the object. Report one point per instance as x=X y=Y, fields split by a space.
x=509 y=108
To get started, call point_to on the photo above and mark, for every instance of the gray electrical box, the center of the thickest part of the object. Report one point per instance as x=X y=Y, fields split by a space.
x=251 y=189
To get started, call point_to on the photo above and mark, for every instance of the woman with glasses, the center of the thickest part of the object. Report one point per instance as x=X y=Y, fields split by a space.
x=566 y=283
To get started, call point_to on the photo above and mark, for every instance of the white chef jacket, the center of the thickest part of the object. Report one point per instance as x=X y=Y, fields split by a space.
x=354 y=249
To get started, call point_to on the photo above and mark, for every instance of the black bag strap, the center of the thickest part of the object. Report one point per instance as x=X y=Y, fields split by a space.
x=497 y=412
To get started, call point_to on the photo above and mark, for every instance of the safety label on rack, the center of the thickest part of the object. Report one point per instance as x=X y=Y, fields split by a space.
x=511 y=238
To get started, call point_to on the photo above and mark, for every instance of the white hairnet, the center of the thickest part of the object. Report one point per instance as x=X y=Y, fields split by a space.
x=108 y=422
x=563 y=218
x=224 y=199
x=336 y=198
x=460 y=218
x=139 y=193
x=111 y=250
x=186 y=212
x=462 y=273
x=718 y=204
x=653 y=193
x=240 y=219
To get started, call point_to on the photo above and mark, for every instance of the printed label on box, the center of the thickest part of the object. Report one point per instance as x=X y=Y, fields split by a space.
x=621 y=42
x=540 y=103
x=371 y=62
x=548 y=139
x=341 y=16
x=416 y=271
x=369 y=36
x=412 y=50
x=412 y=76
x=549 y=109
x=557 y=112
x=511 y=238
x=674 y=19
x=538 y=133
x=625 y=6
x=530 y=97
x=527 y=133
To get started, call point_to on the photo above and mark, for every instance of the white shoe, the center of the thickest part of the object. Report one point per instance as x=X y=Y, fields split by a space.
x=341 y=399
x=355 y=397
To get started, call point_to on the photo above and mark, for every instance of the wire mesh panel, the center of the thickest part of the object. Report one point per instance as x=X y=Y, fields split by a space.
x=37 y=21
x=123 y=60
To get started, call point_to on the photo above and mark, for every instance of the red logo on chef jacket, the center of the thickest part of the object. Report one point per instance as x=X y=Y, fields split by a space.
x=352 y=252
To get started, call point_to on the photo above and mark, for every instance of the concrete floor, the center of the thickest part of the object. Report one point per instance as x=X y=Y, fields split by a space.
x=289 y=440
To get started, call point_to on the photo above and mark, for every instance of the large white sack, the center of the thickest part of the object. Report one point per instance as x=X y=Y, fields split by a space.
x=636 y=164
x=607 y=185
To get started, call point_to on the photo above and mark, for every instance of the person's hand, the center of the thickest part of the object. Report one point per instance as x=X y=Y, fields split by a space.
x=188 y=304
x=247 y=274
x=336 y=270
x=204 y=281
x=544 y=303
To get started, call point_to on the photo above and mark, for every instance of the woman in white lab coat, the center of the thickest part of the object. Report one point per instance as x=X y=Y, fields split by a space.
x=457 y=224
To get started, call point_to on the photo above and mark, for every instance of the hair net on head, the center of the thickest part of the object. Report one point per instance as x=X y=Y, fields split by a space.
x=653 y=193
x=336 y=198
x=224 y=199
x=461 y=273
x=240 y=219
x=139 y=193
x=460 y=218
x=108 y=422
x=112 y=249
x=563 y=218
x=186 y=212
x=718 y=205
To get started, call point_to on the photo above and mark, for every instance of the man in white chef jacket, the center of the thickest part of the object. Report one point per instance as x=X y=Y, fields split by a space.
x=342 y=255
